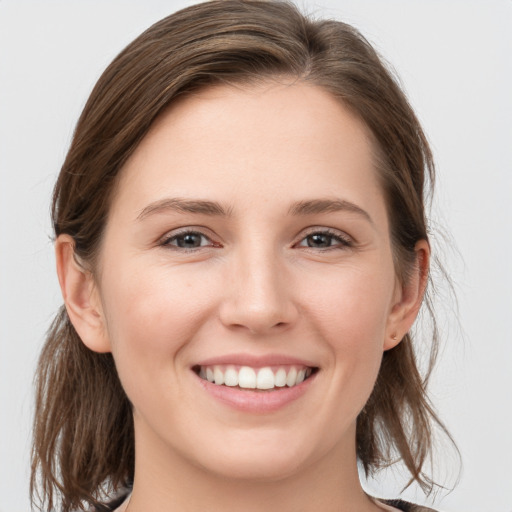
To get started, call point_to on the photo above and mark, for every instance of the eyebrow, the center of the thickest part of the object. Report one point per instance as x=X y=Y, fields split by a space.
x=180 y=205
x=317 y=206
x=213 y=208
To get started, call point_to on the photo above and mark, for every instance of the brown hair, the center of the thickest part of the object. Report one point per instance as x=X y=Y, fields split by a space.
x=83 y=431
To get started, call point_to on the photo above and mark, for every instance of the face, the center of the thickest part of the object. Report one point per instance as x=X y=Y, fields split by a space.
x=248 y=243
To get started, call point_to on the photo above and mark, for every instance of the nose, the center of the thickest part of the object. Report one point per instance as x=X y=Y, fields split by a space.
x=258 y=295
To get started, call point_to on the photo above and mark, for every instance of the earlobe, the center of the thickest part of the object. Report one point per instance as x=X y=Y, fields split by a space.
x=409 y=298
x=80 y=296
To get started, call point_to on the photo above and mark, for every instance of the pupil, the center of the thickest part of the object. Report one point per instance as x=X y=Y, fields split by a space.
x=319 y=240
x=189 y=241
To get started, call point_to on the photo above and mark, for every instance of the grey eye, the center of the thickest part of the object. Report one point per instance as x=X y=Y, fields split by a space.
x=319 y=240
x=325 y=240
x=189 y=240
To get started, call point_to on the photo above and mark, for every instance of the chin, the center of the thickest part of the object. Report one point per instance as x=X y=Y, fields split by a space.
x=257 y=467
x=266 y=457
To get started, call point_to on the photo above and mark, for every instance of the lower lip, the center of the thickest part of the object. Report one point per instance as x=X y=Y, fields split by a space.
x=256 y=401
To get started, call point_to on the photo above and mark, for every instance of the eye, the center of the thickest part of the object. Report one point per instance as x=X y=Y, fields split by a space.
x=187 y=240
x=325 y=239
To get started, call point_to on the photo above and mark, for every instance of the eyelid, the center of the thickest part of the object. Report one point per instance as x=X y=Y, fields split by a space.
x=165 y=240
x=346 y=240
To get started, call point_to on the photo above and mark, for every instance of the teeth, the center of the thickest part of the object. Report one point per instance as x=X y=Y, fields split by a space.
x=255 y=378
x=218 y=375
x=231 y=377
x=291 y=378
x=280 y=379
x=265 y=379
x=247 y=377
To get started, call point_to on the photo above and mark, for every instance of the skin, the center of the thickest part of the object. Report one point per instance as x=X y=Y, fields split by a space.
x=253 y=286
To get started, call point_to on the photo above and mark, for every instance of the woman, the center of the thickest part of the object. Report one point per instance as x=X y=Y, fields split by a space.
x=242 y=250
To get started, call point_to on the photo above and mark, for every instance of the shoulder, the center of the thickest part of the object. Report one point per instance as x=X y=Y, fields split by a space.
x=405 y=506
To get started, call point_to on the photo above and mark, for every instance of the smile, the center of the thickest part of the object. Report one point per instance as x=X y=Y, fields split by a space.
x=247 y=377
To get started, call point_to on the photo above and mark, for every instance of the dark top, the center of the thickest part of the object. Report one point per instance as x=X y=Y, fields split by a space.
x=406 y=507
x=399 y=504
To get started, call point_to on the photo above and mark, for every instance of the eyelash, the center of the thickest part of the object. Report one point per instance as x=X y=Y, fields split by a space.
x=343 y=241
x=167 y=241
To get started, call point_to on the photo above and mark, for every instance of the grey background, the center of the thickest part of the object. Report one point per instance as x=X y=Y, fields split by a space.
x=454 y=60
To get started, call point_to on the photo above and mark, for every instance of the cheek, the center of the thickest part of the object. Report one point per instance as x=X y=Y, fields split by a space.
x=148 y=304
x=352 y=307
x=150 y=315
x=351 y=315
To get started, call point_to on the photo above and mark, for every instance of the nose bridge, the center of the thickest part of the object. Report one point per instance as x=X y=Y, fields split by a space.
x=258 y=294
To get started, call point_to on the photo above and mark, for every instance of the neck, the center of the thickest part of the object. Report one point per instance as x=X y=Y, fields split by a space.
x=166 y=482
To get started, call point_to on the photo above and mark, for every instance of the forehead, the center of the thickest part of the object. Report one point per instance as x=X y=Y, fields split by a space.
x=260 y=143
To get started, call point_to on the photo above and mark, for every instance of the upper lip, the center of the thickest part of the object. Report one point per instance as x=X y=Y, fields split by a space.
x=255 y=361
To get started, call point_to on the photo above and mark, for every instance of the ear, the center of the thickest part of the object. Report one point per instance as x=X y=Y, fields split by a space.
x=81 y=296
x=408 y=297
